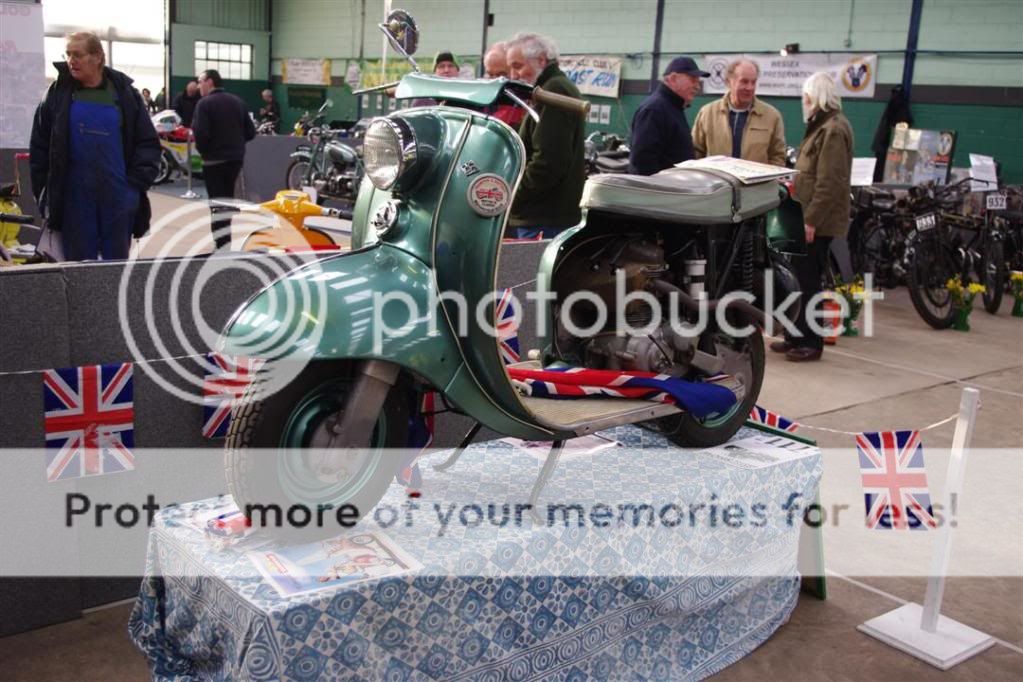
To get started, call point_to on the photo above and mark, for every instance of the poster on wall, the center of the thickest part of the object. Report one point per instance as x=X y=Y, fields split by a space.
x=593 y=75
x=306 y=71
x=855 y=75
x=22 y=71
x=917 y=156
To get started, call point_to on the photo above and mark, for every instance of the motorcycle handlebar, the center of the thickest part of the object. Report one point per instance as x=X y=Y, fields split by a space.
x=18 y=218
x=577 y=106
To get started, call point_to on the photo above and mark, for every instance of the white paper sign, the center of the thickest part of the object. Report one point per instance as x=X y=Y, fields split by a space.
x=863 y=171
x=353 y=75
x=855 y=75
x=600 y=76
x=306 y=71
x=758 y=452
x=983 y=168
x=995 y=202
x=746 y=172
x=22 y=71
x=605 y=114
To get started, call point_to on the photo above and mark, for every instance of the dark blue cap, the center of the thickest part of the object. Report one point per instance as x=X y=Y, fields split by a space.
x=685 y=65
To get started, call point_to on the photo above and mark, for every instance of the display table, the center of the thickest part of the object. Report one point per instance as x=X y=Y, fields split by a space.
x=519 y=601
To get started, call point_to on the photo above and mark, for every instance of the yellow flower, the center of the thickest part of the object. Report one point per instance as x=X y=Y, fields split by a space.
x=975 y=288
x=954 y=285
x=1016 y=276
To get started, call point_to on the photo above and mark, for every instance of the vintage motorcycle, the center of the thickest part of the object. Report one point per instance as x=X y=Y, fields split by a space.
x=606 y=153
x=174 y=147
x=429 y=223
x=329 y=165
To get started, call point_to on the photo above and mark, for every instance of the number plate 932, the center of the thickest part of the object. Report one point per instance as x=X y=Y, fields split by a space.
x=925 y=222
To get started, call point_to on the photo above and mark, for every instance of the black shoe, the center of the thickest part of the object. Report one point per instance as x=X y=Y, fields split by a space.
x=803 y=354
x=781 y=346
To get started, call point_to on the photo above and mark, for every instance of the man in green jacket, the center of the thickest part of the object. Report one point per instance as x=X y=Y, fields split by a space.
x=547 y=201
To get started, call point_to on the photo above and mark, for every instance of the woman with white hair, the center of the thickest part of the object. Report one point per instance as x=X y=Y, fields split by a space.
x=822 y=187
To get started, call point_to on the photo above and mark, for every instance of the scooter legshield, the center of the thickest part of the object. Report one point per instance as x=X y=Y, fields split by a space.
x=371 y=303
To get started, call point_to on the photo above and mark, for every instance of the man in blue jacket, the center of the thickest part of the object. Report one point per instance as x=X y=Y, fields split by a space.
x=94 y=153
x=660 y=131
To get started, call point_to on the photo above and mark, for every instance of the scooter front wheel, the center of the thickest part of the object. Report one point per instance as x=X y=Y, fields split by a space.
x=276 y=450
x=744 y=358
x=296 y=176
x=166 y=166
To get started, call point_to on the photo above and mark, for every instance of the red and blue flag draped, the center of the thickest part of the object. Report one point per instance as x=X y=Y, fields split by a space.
x=895 y=480
x=507 y=327
x=761 y=415
x=699 y=399
x=225 y=381
x=420 y=437
x=89 y=420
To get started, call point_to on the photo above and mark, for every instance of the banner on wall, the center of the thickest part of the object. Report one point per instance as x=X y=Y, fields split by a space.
x=22 y=71
x=593 y=75
x=306 y=71
x=855 y=75
x=373 y=73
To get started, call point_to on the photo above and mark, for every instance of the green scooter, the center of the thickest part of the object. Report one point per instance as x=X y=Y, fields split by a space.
x=368 y=331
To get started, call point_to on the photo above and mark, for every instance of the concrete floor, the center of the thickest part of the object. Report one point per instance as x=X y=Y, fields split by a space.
x=907 y=376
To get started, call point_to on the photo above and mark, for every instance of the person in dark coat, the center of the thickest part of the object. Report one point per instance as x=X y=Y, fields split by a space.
x=184 y=103
x=94 y=153
x=547 y=201
x=660 y=131
x=896 y=111
x=221 y=126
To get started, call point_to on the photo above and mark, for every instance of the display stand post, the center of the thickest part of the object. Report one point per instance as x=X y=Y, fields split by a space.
x=921 y=630
x=189 y=194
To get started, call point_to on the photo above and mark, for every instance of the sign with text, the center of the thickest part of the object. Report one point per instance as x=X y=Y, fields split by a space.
x=593 y=75
x=855 y=75
x=306 y=71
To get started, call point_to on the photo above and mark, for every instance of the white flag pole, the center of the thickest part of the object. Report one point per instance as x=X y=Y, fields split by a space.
x=953 y=487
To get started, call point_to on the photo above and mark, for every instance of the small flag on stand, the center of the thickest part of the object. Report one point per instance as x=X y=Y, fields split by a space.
x=507 y=327
x=89 y=420
x=225 y=381
x=762 y=415
x=895 y=481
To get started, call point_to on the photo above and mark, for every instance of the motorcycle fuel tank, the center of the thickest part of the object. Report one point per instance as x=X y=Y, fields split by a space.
x=340 y=154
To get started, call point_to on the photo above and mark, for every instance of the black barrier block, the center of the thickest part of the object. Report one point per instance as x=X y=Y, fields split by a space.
x=33 y=319
x=267 y=157
x=163 y=418
x=21 y=412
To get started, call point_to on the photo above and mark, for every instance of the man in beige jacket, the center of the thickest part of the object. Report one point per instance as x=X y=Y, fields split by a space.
x=739 y=124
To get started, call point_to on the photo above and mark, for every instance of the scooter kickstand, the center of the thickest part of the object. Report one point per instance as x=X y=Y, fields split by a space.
x=450 y=461
x=549 y=465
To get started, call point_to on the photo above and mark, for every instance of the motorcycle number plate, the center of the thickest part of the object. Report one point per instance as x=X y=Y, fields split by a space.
x=925 y=222
x=995 y=201
x=489 y=195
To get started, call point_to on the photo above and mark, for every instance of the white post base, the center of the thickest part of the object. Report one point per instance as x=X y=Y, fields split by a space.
x=950 y=644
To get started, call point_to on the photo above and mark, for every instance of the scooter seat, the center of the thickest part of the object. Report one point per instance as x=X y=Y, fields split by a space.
x=680 y=195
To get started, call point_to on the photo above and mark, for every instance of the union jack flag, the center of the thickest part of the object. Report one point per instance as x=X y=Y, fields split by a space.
x=762 y=415
x=89 y=420
x=225 y=381
x=894 y=480
x=420 y=437
x=701 y=399
x=507 y=327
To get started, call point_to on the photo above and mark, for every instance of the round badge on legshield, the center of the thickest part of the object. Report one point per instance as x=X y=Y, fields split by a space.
x=489 y=195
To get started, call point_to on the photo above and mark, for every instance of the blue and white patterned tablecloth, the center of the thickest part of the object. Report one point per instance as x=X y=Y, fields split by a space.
x=509 y=603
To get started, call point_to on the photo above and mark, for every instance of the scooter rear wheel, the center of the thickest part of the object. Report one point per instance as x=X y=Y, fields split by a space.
x=746 y=359
x=275 y=442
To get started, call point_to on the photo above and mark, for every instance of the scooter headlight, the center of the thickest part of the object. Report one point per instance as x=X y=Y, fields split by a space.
x=389 y=151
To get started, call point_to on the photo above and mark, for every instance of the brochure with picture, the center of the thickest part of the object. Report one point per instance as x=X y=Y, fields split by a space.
x=327 y=564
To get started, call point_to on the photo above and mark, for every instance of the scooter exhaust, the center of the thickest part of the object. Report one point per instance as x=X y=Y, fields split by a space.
x=755 y=315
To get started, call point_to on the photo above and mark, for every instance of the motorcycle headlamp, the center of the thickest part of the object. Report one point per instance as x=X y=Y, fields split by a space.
x=389 y=151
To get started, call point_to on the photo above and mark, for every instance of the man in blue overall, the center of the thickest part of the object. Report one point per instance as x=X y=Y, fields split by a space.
x=94 y=153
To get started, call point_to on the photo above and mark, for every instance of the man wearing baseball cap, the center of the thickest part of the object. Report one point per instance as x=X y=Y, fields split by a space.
x=660 y=131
